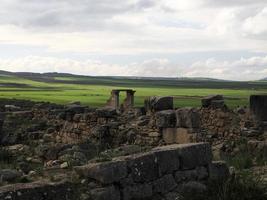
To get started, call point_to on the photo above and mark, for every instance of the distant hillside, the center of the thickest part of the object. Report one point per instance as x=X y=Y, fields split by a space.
x=126 y=81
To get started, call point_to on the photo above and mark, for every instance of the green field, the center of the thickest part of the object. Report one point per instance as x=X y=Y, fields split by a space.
x=94 y=91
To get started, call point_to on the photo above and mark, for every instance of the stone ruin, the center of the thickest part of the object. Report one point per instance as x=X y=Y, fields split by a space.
x=178 y=145
x=161 y=173
x=114 y=101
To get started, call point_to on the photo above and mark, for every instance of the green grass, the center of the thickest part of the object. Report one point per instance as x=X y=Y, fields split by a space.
x=94 y=91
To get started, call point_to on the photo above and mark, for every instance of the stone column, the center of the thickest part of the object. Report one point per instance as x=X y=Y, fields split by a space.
x=116 y=99
x=258 y=106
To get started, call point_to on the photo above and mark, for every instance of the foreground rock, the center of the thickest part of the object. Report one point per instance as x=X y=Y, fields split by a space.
x=162 y=171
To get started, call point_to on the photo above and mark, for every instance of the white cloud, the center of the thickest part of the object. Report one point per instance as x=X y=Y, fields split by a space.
x=243 y=69
x=135 y=27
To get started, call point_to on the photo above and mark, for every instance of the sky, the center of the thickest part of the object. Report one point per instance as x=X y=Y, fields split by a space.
x=225 y=39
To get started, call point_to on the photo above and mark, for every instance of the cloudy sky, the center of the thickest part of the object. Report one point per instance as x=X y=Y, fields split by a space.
x=224 y=39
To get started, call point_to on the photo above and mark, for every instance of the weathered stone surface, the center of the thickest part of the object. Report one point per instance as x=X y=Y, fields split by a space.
x=143 y=167
x=164 y=184
x=258 y=106
x=186 y=175
x=164 y=155
x=177 y=135
x=217 y=104
x=155 y=104
x=106 y=172
x=107 y=193
x=9 y=175
x=165 y=118
x=207 y=101
x=194 y=155
x=141 y=191
x=218 y=170
x=106 y=112
x=187 y=118
x=38 y=191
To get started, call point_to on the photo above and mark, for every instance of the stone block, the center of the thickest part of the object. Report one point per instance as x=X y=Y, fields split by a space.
x=164 y=184
x=110 y=193
x=207 y=101
x=154 y=104
x=143 y=167
x=140 y=191
x=187 y=118
x=258 y=106
x=177 y=135
x=195 y=155
x=106 y=172
x=163 y=156
x=185 y=176
x=165 y=119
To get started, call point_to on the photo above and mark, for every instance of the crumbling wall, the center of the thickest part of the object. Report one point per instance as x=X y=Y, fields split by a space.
x=38 y=191
x=161 y=172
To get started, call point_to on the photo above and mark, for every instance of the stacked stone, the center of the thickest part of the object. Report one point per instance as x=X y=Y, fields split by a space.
x=220 y=124
x=178 y=126
x=159 y=174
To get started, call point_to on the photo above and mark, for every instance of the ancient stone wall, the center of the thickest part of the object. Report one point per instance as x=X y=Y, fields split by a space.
x=38 y=191
x=164 y=171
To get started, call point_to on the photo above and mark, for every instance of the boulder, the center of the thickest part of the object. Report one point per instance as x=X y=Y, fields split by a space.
x=165 y=118
x=154 y=104
x=212 y=100
x=187 y=118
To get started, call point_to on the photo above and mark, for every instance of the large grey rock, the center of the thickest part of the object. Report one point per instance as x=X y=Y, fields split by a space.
x=218 y=170
x=143 y=167
x=140 y=191
x=194 y=155
x=258 y=106
x=106 y=172
x=187 y=118
x=165 y=119
x=207 y=101
x=155 y=104
x=164 y=184
x=107 y=193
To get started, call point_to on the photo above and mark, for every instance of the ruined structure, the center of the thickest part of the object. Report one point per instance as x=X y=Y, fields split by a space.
x=258 y=106
x=114 y=100
x=153 y=152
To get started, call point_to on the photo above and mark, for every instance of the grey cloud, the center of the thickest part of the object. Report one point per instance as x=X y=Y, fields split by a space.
x=72 y=14
x=229 y=3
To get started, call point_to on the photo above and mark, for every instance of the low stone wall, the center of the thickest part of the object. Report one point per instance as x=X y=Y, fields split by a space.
x=164 y=171
x=38 y=191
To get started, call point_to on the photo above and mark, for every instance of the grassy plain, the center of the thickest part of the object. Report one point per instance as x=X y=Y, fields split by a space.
x=94 y=91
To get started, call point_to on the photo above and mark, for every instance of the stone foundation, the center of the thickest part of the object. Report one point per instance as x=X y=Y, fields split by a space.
x=155 y=174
